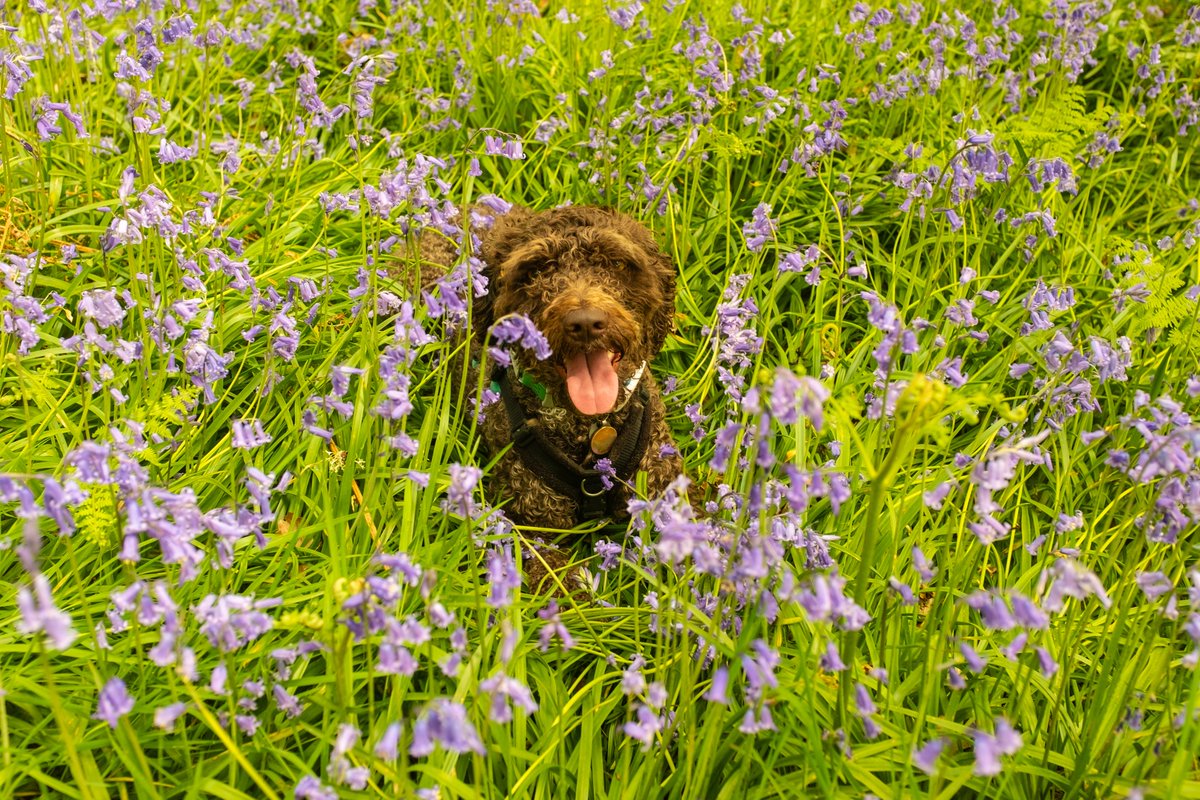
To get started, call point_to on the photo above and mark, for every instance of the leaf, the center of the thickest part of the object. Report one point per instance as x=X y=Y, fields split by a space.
x=1059 y=126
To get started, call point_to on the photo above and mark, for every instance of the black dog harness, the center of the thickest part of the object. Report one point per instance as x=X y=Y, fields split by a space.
x=582 y=484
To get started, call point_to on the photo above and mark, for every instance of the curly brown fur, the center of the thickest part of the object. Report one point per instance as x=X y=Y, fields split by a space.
x=547 y=265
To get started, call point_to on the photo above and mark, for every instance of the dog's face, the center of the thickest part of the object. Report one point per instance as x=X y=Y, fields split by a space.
x=595 y=283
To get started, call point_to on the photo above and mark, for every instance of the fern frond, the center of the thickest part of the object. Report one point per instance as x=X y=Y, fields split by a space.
x=1059 y=126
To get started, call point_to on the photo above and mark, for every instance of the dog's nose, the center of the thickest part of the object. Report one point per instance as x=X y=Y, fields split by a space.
x=585 y=323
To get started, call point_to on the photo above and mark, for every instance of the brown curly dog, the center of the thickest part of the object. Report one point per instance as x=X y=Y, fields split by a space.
x=586 y=421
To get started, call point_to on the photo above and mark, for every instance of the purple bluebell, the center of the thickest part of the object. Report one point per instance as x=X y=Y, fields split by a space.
x=166 y=716
x=645 y=727
x=248 y=434
x=975 y=662
x=103 y=306
x=903 y=589
x=1072 y=579
x=831 y=659
x=923 y=565
x=553 y=628
x=624 y=16
x=633 y=682
x=793 y=396
x=519 y=329
x=926 y=758
x=753 y=723
x=718 y=690
x=218 y=678
x=114 y=702
x=459 y=495
x=760 y=229
x=1026 y=612
x=824 y=601
x=797 y=260
x=937 y=495
x=506 y=692
x=992 y=610
x=1046 y=663
x=309 y=788
x=247 y=723
x=232 y=621
x=40 y=615
x=503 y=146
x=759 y=670
x=990 y=747
x=1015 y=647
x=388 y=745
x=444 y=723
x=287 y=702
x=1154 y=584
x=57 y=499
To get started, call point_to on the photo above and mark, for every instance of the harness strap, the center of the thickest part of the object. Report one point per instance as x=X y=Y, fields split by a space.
x=585 y=486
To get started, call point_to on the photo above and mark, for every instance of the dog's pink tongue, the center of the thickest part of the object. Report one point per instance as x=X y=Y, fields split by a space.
x=592 y=382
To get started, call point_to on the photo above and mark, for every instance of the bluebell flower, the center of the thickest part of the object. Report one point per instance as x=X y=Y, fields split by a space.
x=824 y=601
x=309 y=788
x=114 y=703
x=645 y=727
x=519 y=329
x=760 y=229
x=1014 y=648
x=923 y=565
x=926 y=758
x=503 y=146
x=232 y=621
x=553 y=628
x=387 y=746
x=505 y=692
x=831 y=659
x=166 y=716
x=248 y=434
x=990 y=747
x=40 y=615
x=102 y=306
x=975 y=662
x=286 y=702
x=718 y=690
x=1072 y=579
x=444 y=723
x=992 y=610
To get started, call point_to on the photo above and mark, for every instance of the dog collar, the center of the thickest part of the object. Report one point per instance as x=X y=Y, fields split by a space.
x=529 y=382
x=586 y=486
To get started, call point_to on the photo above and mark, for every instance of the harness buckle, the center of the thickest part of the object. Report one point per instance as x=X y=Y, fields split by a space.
x=523 y=435
x=583 y=486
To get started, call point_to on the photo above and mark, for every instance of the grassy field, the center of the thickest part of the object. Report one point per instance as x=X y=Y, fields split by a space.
x=936 y=365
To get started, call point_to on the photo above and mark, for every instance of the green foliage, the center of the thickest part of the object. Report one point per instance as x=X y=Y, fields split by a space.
x=1060 y=124
x=659 y=121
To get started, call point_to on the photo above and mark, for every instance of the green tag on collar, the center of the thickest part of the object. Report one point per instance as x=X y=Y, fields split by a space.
x=534 y=386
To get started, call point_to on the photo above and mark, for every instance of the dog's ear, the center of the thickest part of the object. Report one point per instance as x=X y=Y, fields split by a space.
x=507 y=233
x=661 y=268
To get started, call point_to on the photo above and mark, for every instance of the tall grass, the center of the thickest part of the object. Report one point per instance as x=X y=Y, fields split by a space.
x=973 y=226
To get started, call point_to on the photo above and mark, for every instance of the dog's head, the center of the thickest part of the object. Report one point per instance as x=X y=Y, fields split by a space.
x=594 y=282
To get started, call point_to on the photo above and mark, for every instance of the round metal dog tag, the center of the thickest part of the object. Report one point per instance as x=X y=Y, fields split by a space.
x=602 y=440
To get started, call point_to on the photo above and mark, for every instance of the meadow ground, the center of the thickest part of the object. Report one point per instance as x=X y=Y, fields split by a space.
x=935 y=365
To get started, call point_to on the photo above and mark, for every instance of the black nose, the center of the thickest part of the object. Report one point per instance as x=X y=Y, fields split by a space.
x=585 y=323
